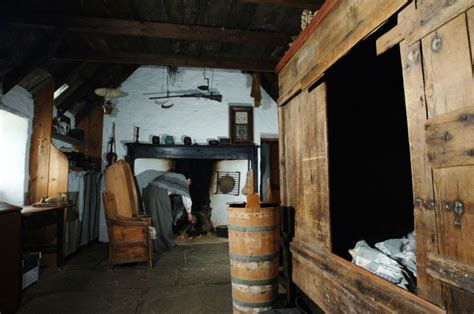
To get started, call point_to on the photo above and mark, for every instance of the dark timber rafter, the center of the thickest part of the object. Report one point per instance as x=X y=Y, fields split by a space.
x=176 y=60
x=302 y=4
x=27 y=61
x=152 y=29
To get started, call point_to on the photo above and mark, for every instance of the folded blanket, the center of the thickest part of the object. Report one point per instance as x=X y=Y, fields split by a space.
x=401 y=250
x=378 y=263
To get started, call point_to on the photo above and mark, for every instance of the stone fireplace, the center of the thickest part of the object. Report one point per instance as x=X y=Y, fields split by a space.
x=202 y=162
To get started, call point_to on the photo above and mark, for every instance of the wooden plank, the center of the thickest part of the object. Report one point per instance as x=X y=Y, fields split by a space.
x=93 y=126
x=345 y=25
x=35 y=80
x=301 y=4
x=366 y=292
x=152 y=29
x=303 y=36
x=58 y=172
x=120 y=182
x=330 y=294
x=313 y=190
x=41 y=143
x=388 y=40
x=470 y=25
x=451 y=185
x=291 y=151
x=458 y=274
x=282 y=155
x=75 y=79
x=176 y=60
x=448 y=68
x=306 y=166
x=286 y=96
x=417 y=21
x=422 y=181
x=430 y=15
x=459 y=301
x=450 y=140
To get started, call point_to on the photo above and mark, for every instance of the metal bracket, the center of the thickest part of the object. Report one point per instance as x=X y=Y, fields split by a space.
x=457 y=207
x=424 y=205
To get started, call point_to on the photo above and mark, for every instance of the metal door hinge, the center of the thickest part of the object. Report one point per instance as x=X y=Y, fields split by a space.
x=457 y=207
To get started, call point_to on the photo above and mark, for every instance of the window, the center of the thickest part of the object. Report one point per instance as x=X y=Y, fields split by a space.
x=13 y=166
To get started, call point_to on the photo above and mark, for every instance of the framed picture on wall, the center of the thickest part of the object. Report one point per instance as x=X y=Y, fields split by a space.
x=241 y=124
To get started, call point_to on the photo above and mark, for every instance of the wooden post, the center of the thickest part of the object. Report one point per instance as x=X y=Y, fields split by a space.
x=41 y=143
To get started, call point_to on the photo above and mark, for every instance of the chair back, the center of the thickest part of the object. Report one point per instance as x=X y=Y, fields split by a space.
x=110 y=211
x=109 y=206
x=120 y=182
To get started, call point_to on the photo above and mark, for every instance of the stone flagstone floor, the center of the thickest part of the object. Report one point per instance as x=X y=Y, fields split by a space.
x=185 y=279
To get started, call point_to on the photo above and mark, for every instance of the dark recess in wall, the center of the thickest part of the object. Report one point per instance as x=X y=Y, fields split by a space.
x=201 y=171
x=369 y=160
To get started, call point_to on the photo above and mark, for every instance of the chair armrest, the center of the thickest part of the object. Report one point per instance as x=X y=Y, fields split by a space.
x=124 y=218
x=128 y=222
x=146 y=219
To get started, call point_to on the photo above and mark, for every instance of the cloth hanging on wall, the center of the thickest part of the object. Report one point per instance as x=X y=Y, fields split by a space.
x=76 y=184
x=90 y=214
x=83 y=226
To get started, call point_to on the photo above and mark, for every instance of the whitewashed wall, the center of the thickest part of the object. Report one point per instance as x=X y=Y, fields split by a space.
x=200 y=119
x=15 y=137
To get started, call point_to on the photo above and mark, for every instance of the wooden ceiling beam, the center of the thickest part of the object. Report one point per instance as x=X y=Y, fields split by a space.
x=88 y=82
x=24 y=62
x=301 y=4
x=174 y=60
x=74 y=80
x=151 y=29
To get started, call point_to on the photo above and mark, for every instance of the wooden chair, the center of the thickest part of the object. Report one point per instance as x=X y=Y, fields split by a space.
x=129 y=239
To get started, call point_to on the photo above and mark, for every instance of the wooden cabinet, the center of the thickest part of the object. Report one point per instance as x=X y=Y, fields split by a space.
x=10 y=262
x=436 y=51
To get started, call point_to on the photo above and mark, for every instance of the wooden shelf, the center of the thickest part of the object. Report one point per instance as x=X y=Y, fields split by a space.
x=67 y=139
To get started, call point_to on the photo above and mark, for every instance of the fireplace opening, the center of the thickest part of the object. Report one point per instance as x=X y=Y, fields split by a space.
x=201 y=172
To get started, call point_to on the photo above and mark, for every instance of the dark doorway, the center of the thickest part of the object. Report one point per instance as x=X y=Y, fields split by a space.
x=269 y=170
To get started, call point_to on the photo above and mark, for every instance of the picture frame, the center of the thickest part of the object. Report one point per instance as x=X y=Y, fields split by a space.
x=241 y=124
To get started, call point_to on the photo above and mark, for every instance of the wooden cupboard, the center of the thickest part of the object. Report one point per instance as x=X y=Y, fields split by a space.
x=434 y=39
x=10 y=263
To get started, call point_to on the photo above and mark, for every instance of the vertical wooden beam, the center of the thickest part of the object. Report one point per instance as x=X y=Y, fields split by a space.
x=425 y=216
x=58 y=172
x=470 y=25
x=449 y=81
x=282 y=153
x=92 y=125
x=41 y=143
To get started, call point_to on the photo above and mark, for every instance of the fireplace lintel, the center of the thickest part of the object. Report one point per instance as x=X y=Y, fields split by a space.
x=215 y=152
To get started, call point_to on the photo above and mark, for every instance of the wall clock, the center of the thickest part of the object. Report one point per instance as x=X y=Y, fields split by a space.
x=241 y=124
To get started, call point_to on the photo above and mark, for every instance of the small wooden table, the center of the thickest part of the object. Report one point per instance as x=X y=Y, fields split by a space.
x=60 y=212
